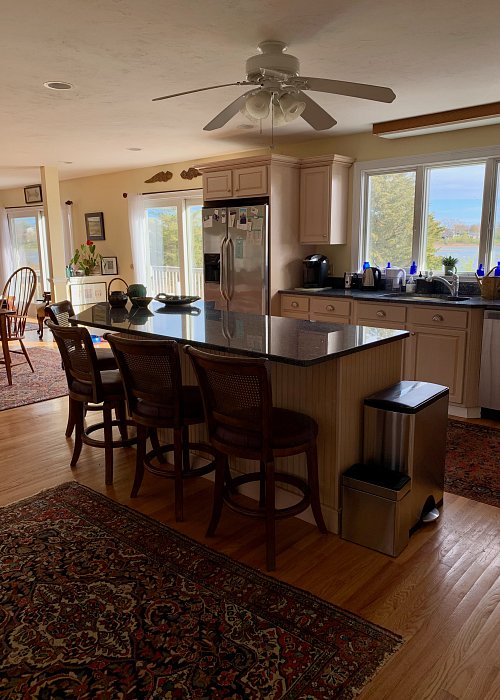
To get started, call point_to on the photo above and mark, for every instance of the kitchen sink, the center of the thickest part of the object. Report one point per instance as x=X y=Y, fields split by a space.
x=426 y=297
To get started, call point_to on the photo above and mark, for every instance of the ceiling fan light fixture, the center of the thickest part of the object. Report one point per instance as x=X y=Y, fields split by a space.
x=257 y=105
x=291 y=106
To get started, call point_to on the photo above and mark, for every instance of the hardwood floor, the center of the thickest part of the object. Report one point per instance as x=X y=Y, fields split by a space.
x=442 y=594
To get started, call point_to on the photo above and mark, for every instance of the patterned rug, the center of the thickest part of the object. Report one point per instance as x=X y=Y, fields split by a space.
x=473 y=462
x=102 y=602
x=47 y=382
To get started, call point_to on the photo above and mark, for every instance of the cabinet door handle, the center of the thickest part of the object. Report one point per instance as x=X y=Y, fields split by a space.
x=294 y=305
x=382 y=314
x=330 y=308
x=437 y=317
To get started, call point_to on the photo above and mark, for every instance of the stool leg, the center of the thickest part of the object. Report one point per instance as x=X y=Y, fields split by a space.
x=262 y=486
x=121 y=417
x=155 y=444
x=178 y=485
x=71 y=418
x=270 y=517
x=108 y=444
x=313 y=480
x=76 y=410
x=142 y=435
x=186 y=462
x=221 y=471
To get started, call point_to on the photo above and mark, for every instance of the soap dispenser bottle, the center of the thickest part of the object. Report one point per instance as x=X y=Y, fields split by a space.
x=497 y=269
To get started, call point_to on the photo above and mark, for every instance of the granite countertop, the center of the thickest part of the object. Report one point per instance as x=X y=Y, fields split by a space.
x=475 y=302
x=280 y=339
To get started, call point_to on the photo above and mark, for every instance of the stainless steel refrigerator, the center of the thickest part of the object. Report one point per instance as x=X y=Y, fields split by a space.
x=236 y=257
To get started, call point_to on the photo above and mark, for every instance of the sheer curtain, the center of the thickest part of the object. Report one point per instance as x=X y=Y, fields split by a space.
x=6 y=256
x=137 y=224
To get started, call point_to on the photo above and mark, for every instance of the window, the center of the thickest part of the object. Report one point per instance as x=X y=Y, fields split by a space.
x=174 y=243
x=29 y=245
x=424 y=211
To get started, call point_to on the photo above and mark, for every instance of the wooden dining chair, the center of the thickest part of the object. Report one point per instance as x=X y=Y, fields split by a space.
x=16 y=296
x=242 y=422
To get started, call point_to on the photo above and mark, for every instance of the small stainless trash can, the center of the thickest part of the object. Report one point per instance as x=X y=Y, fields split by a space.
x=376 y=508
x=405 y=431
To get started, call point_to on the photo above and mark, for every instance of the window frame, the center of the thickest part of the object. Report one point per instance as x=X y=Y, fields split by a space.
x=420 y=164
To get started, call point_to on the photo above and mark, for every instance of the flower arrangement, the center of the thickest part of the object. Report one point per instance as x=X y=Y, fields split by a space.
x=86 y=258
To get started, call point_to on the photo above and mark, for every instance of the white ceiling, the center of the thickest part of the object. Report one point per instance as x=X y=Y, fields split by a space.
x=119 y=54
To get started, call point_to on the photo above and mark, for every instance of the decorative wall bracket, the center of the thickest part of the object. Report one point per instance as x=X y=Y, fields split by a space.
x=162 y=176
x=190 y=174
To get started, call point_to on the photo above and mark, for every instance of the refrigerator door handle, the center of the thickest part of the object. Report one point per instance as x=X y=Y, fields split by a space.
x=223 y=270
x=230 y=270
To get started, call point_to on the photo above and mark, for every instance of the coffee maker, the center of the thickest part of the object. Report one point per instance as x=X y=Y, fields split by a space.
x=315 y=271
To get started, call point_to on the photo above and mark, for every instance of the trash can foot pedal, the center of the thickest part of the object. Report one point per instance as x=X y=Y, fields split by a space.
x=431 y=516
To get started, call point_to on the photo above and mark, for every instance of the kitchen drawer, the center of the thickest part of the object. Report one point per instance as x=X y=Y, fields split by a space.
x=329 y=306
x=393 y=313
x=296 y=304
x=439 y=316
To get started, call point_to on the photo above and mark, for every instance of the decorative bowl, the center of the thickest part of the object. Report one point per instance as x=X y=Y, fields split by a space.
x=174 y=299
x=141 y=302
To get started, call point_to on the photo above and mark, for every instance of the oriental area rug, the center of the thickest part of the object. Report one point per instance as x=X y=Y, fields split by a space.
x=102 y=602
x=48 y=381
x=473 y=462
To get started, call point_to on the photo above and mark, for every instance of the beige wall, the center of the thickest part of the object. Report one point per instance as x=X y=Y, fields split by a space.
x=105 y=192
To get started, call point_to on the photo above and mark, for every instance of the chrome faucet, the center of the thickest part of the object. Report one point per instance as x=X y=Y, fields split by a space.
x=452 y=286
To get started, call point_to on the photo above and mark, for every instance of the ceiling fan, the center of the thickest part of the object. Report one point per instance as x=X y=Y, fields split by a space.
x=279 y=90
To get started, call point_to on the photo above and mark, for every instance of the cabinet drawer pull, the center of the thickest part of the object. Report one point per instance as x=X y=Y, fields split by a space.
x=437 y=317
x=294 y=305
x=330 y=308
x=382 y=314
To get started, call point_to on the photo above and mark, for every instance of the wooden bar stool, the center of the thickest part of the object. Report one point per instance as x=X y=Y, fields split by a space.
x=156 y=398
x=59 y=313
x=88 y=384
x=242 y=422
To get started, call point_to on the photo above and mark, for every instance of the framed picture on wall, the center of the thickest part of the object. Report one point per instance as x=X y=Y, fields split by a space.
x=109 y=266
x=94 y=226
x=33 y=194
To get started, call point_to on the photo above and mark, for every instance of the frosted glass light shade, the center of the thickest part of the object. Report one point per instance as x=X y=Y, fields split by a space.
x=257 y=105
x=291 y=106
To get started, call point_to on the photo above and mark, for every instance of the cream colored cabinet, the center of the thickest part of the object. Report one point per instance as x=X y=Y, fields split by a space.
x=324 y=184
x=330 y=309
x=295 y=306
x=437 y=349
x=235 y=182
x=380 y=315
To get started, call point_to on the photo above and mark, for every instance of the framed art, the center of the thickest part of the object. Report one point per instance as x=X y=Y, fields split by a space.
x=94 y=226
x=33 y=194
x=109 y=266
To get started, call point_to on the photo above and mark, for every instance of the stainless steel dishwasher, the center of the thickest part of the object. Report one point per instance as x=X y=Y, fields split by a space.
x=489 y=382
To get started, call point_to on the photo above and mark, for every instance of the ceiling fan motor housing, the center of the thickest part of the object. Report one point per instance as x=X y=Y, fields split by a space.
x=272 y=60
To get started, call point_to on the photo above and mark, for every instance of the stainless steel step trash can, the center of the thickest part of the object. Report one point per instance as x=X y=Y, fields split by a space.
x=405 y=431
x=376 y=508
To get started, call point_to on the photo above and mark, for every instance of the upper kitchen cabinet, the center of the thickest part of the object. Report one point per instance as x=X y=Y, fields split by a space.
x=244 y=177
x=324 y=186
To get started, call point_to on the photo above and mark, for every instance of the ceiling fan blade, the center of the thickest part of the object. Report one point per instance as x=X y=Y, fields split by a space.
x=316 y=115
x=340 y=87
x=223 y=117
x=189 y=92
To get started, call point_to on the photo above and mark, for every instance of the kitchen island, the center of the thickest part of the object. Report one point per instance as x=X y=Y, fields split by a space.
x=322 y=369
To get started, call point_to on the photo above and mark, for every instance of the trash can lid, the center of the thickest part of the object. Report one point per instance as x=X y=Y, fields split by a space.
x=407 y=396
x=387 y=478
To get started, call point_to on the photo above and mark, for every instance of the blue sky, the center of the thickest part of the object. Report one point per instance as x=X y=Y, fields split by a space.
x=455 y=193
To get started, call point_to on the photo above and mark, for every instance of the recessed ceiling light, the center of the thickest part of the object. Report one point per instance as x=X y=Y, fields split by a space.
x=57 y=85
x=134 y=149
x=245 y=126
x=67 y=162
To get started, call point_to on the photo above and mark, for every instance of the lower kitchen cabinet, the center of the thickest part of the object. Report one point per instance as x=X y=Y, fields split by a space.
x=438 y=356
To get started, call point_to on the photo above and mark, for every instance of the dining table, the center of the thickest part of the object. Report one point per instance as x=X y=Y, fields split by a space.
x=322 y=369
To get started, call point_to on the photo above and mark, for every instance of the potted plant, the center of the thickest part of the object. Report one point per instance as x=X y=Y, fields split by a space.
x=86 y=259
x=449 y=264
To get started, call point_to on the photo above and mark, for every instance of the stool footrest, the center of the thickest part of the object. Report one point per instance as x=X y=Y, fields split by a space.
x=93 y=442
x=186 y=473
x=259 y=512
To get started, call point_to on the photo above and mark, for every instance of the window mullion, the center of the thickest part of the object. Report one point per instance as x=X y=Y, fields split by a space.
x=183 y=257
x=419 y=218
x=488 y=212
